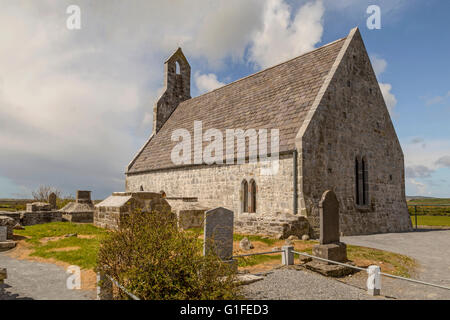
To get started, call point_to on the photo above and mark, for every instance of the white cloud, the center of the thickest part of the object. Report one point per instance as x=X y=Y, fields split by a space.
x=388 y=96
x=76 y=105
x=207 y=82
x=379 y=65
x=282 y=38
x=425 y=163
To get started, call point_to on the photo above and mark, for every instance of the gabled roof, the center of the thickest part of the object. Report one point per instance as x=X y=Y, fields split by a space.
x=279 y=97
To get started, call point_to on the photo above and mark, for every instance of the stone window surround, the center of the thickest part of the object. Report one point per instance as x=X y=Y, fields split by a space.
x=248 y=196
x=362 y=202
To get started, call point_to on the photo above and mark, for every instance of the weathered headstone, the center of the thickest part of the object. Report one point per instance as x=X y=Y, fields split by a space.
x=218 y=233
x=329 y=218
x=330 y=247
x=3 y=233
x=52 y=200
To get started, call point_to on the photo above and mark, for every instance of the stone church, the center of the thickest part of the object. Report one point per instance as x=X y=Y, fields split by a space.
x=335 y=133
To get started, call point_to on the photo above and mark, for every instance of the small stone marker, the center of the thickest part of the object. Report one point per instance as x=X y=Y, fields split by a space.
x=218 y=233
x=329 y=218
x=3 y=233
x=52 y=200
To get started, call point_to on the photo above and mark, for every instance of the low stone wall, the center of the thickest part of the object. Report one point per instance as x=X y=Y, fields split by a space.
x=32 y=218
x=279 y=226
x=109 y=217
x=81 y=217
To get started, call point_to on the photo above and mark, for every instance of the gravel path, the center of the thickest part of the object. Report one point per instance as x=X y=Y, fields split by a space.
x=429 y=247
x=35 y=280
x=291 y=284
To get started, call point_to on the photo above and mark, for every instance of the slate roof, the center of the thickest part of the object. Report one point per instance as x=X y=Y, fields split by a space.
x=275 y=98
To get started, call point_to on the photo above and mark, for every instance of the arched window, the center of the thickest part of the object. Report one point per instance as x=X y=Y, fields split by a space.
x=141 y=188
x=357 y=182
x=244 y=196
x=252 y=190
x=365 y=181
x=361 y=182
x=177 y=68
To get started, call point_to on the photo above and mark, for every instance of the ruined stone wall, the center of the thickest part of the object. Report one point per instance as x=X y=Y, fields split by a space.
x=352 y=120
x=220 y=186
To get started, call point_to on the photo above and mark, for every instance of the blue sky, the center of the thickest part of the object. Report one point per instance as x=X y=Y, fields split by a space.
x=76 y=105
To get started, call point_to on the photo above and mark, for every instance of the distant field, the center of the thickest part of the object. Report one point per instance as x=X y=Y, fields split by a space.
x=431 y=221
x=13 y=205
x=430 y=211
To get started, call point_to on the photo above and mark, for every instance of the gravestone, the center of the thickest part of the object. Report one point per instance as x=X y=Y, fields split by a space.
x=3 y=233
x=329 y=218
x=218 y=233
x=52 y=200
x=330 y=246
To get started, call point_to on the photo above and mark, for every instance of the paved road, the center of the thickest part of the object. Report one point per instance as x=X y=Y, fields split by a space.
x=430 y=248
x=35 y=280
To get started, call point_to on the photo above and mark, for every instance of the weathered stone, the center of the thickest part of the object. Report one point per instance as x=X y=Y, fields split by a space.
x=293 y=237
x=110 y=212
x=52 y=200
x=332 y=251
x=329 y=218
x=9 y=223
x=329 y=270
x=218 y=233
x=245 y=244
x=305 y=237
x=3 y=233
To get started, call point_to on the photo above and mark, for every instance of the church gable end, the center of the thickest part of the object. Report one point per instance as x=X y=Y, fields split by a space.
x=350 y=146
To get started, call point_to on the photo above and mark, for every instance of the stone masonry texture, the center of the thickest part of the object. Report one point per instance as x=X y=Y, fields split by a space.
x=329 y=107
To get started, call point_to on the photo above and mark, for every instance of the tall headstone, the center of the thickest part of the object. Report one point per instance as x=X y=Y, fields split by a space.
x=330 y=247
x=329 y=218
x=218 y=233
x=52 y=200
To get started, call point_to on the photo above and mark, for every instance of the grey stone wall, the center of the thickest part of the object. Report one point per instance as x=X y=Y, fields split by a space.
x=352 y=120
x=220 y=186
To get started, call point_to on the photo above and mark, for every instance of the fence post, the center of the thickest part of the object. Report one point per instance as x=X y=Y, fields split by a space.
x=104 y=287
x=288 y=255
x=374 y=280
x=415 y=215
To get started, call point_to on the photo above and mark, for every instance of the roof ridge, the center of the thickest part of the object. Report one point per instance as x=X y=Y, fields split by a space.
x=261 y=71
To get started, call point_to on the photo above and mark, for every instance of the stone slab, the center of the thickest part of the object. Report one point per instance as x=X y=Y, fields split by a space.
x=244 y=279
x=329 y=270
x=7 y=245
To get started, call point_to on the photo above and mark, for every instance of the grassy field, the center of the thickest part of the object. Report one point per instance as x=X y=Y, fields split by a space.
x=49 y=241
x=430 y=210
x=431 y=221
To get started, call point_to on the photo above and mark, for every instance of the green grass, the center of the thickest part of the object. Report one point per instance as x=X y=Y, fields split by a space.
x=254 y=260
x=431 y=220
x=239 y=237
x=85 y=256
x=402 y=264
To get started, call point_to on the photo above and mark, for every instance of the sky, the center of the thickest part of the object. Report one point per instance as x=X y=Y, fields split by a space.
x=76 y=105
